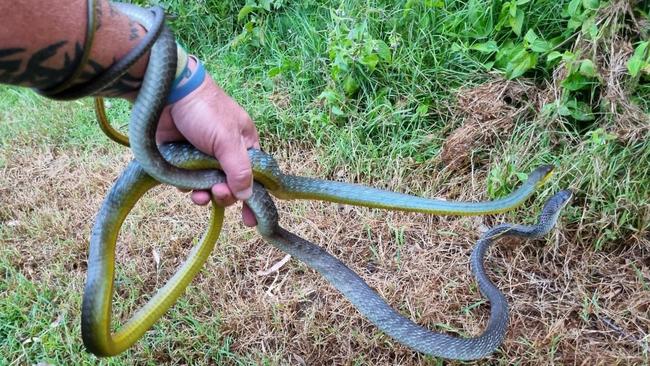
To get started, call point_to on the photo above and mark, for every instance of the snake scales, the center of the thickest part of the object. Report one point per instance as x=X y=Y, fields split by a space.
x=183 y=166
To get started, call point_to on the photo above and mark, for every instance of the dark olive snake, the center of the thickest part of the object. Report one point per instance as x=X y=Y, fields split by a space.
x=183 y=166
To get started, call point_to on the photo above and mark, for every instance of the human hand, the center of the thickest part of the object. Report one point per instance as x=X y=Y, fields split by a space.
x=215 y=124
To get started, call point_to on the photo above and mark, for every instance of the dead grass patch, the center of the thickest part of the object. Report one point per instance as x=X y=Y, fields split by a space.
x=489 y=112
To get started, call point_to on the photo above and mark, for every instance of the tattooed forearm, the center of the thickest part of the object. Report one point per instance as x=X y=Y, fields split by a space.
x=18 y=69
x=51 y=51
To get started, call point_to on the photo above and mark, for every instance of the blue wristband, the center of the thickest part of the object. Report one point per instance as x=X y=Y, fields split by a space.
x=180 y=92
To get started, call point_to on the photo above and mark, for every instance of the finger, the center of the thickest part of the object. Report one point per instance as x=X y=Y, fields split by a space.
x=235 y=163
x=200 y=198
x=251 y=138
x=247 y=216
x=222 y=195
x=255 y=145
x=166 y=130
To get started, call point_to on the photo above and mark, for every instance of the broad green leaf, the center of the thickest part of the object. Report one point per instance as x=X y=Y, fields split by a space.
x=522 y=176
x=553 y=56
x=434 y=3
x=422 y=109
x=341 y=61
x=575 y=81
x=274 y=71
x=590 y=28
x=535 y=43
x=523 y=62
x=540 y=46
x=337 y=111
x=265 y=4
x=486 y=47
x=568 y=56
x=640 y=50
x=634 y=66
x=530 y=36
x=590 y=4
x=517 y=22
x=243 y=13
x=513 y=9
x=457 y=47
x=599 y=136
x=575 y=22
x=383 y=51
x=370 y=60
x=522 y=2
x=572 y=9
x=579 y=110
x=563 y=110
x=329 y=95
x=410 y=4
x=507 y=52
x=637 y=62
x=350 y=85
x=503 y=15
x=587 y=68
x=549 y=108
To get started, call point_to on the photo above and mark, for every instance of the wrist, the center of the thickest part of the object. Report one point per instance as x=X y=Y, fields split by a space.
x=184 y=67
x=188 y=80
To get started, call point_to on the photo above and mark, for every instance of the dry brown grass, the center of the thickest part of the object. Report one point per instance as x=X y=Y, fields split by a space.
x=488 y=112
x=293 y=316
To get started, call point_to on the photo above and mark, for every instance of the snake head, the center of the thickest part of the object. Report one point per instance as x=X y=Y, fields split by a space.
x=545 y=171
x=563 y=197
x=553 y=206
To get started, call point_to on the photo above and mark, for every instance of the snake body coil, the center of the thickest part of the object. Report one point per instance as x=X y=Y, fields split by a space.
x=134 y=182
x=183 y=166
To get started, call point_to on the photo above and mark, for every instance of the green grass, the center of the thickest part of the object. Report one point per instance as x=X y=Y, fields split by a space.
x=39 y=324
x=317 y=74
x=399 y=112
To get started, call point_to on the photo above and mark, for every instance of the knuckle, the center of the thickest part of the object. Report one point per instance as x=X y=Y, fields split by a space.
x=240 y=175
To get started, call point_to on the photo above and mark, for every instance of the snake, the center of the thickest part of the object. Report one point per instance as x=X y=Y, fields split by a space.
x=181 y=165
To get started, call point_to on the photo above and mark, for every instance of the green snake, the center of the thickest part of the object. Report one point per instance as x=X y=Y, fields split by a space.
x=183 y=166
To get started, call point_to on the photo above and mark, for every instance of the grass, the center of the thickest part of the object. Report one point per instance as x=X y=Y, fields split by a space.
x=403 y=95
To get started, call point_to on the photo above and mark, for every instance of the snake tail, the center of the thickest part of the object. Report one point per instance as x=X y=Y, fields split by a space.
x=97 y=300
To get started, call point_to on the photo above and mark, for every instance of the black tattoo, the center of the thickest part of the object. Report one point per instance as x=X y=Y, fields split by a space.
x=126 y=84
x=134 y=30
x=35 y=74
x=10 y=66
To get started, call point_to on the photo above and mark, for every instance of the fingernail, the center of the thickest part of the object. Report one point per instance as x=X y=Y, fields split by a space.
x=245 y=194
